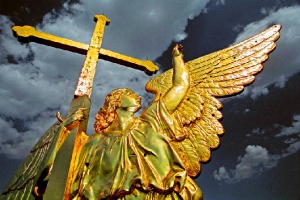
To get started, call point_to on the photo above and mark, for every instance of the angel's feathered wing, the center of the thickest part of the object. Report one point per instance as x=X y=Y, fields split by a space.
x=22 y=184
x=218 y=74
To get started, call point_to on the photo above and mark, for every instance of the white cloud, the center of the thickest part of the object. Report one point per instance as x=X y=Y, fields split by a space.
x=255 y=161
x=253 y=92
x=32 y=90
x=280 y=83
x=180 y=36
x=293 y=148
x=266 y=11
x=17 y=144
x=263 y=11
x=221 y=174
x=135 y=25
x=237 y=28
x=220 y=2
x=290 y=140
x=257 y=91
x=258 y=131
x=285 y=60
x=9 y=44
x=294 y=129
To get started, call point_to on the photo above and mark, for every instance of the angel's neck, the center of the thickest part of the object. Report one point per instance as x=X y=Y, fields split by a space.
x=123 y=120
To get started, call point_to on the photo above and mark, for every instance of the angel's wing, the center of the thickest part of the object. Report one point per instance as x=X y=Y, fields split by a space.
x=218 y=74
x=22 y=184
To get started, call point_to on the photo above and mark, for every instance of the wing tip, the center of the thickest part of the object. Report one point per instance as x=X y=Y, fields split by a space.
x=277 y=27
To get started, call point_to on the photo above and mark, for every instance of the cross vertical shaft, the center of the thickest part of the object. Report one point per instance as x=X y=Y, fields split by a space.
x=86 y=78
x=58 y=186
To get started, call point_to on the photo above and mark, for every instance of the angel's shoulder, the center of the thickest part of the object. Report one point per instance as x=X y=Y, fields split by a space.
x=150 y=110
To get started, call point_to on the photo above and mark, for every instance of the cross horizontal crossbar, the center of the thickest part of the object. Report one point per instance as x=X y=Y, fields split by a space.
x=30 y=34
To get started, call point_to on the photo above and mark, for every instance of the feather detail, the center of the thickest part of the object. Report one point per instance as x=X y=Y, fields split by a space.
x=219 y=74
x=22 y=183
x=189 y=156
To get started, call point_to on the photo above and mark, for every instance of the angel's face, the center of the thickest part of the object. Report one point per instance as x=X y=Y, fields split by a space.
x=130 y=100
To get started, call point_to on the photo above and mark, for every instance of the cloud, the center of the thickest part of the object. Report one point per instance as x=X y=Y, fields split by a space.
x=293 y=148
x=290 y=140
x=257 y=91
x=256 y=131
x=180 y=36
x=36 y=80
x=16 y=144
x=280 y=83
x=221 y=174
x=288 y=132
x=220 y=2
x=237 y=28
x=134 y=26
x=294 y=129
x=255 y=161
x=285 y=60
x=9 y=45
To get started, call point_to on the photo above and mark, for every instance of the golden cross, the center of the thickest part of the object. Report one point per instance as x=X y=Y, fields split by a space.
x=92 y=51
x=64 y=157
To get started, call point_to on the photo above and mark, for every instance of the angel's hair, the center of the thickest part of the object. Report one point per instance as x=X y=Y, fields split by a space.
x=107 y=113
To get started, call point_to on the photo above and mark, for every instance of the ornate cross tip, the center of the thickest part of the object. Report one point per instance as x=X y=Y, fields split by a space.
x=23 y=33
x=103 y=18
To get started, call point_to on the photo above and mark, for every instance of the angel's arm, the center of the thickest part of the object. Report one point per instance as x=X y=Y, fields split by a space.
x=180 y=81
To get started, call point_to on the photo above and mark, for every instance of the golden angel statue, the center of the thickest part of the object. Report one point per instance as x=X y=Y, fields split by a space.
x=156 y=155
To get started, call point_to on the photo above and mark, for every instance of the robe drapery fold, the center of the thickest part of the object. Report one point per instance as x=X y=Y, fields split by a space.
x=137 y=163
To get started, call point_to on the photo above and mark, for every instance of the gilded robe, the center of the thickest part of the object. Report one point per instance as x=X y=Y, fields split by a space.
x=137 y=163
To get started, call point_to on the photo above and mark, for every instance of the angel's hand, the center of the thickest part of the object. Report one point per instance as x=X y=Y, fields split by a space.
x=78 y=116
x=177 y=50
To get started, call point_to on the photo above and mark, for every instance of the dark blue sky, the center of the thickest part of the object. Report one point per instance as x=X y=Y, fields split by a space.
x=259 y=153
